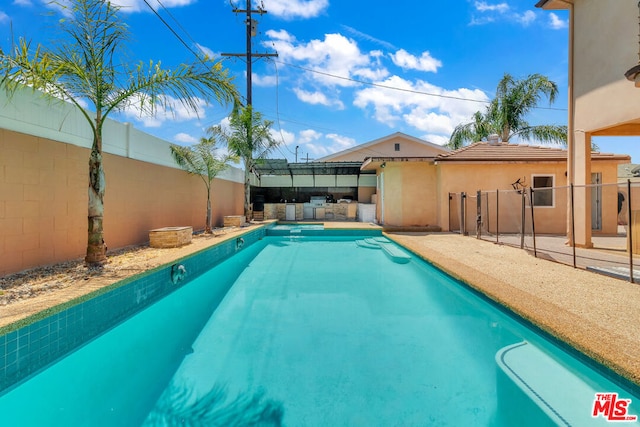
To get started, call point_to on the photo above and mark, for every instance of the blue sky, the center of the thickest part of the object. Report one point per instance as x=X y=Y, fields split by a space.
x=347 y=72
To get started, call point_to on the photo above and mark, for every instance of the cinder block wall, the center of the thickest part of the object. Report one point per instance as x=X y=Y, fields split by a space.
x=43 y=200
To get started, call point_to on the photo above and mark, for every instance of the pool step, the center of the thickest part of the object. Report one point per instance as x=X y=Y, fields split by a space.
x=365 y=244
x=536 y=389
x=391 y=250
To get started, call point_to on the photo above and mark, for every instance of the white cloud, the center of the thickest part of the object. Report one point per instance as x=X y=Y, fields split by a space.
x=288 y=138
x=210 y=53
x=421 y=105
x=489 y=13
x=556 y=23
x=309 y=135
x=436 y=139
x=525 y=18
x=23 y=2
x=425 y=62
x=340 y=141
x=483 y=6
x=184 y=138
x=367 y=37
x=292 y=9
x=315 y=98
x=336 y=55
x=4 y=17
x=331 y=144
x=263 y=81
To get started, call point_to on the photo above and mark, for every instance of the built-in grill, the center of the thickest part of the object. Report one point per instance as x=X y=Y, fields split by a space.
x=315 y=208
x=317 y=201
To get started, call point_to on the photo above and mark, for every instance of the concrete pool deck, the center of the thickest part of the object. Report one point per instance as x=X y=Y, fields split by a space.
x=598 y=315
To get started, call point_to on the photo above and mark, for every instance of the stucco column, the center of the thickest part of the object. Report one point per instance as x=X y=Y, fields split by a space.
x=580 y=158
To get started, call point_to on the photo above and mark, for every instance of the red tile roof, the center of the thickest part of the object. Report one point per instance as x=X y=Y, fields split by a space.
x=503 y=152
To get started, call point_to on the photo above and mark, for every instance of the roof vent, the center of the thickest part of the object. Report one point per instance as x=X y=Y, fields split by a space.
x=493 y=139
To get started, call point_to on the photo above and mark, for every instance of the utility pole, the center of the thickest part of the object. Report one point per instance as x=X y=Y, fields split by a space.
x=297 y=146
x=252 y=30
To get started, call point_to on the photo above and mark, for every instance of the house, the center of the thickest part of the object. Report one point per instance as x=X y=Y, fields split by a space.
x=397 y=144
x=301 y=188
x=416 y=191
x=604 y=87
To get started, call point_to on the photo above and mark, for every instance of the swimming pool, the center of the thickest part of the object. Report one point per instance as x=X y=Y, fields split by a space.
x=315 y=331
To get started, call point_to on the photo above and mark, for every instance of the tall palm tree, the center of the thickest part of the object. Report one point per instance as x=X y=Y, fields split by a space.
x=202 y=160
x=83 y=69
x=505 y=115
x=249 y=138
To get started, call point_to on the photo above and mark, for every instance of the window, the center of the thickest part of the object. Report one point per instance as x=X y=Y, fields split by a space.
x=397 y=147
x=542 y=191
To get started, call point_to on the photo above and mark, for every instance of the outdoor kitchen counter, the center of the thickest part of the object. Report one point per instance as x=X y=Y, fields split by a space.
x=335 y=211
x=341 y=211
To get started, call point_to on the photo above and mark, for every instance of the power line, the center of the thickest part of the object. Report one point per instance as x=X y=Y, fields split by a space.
x=251 y=32
x=173 y=31
x=458 y=98
x=179 y=25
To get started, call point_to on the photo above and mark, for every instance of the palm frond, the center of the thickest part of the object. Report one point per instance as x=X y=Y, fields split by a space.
x=179 y=406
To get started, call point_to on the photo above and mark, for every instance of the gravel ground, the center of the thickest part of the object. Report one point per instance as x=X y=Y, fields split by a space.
x=26 y=293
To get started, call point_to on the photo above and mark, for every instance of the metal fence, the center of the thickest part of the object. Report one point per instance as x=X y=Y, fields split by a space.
x=542 y=221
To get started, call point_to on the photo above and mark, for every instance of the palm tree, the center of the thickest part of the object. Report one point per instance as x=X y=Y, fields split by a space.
x=505 y=115
x=202 y=160
x=249 y=138
x=83 y=69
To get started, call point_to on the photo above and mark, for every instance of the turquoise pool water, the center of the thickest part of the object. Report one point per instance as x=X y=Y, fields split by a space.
x=315 y=331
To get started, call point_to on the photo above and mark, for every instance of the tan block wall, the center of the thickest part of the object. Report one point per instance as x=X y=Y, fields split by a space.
x=43 y=201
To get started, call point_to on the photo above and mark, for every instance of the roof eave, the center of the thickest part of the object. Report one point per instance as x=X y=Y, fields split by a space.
x=554 y=4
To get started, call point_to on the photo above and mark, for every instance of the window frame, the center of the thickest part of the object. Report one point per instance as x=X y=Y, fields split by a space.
x=551 y=189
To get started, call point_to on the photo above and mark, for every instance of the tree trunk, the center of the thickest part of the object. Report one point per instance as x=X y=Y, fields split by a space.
x=207 y=227
x=96 y=249
x=247 y=192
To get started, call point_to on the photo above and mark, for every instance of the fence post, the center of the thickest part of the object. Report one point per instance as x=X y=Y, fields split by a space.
x=449 y=206
x=573 y=228
x=533 y=223
x=478 y=214
x=463 y=213
x=522 y=220
x=630 y=233
x=497 y=215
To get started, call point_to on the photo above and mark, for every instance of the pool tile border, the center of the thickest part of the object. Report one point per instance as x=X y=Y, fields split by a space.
x=31 y=344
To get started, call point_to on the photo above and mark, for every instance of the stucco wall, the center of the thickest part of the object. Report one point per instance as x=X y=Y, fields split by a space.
x=43 y=200
x=470 y=178
x=606 y=46
x=410 y=194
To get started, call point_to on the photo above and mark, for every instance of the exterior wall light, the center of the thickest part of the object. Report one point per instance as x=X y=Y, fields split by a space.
x=383 y=165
